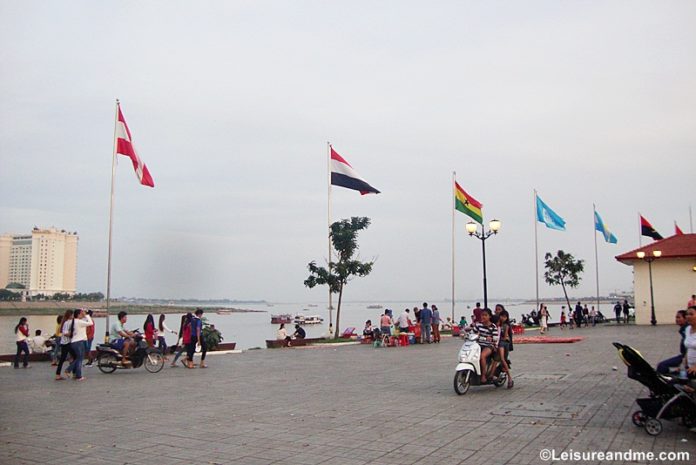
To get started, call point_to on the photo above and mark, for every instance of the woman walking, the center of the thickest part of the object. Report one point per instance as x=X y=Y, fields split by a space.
x=149 y=328
x=184 y=338
x=22 y=338
x=56 y=341
x=78 y=329
x=544 y=319
x=65 y=337
x=161 y=340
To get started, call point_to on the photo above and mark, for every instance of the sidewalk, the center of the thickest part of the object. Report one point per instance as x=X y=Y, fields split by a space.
x=341 y=405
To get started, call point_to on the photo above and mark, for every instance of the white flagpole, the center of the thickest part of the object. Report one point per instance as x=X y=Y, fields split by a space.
x=594 y=228
x=536 y=250
x=691 y=220
x=328 y=166
x=640 y=232
x=111 y=221
x=454 y=204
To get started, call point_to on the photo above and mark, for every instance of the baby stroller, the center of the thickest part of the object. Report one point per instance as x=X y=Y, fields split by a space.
x=668 y=399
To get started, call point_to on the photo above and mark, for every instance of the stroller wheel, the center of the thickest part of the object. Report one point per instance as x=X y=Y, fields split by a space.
x=638 y=418
x=653 y=426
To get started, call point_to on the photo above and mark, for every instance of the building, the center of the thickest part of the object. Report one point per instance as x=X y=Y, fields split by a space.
x=672 y=262
x=44 y=262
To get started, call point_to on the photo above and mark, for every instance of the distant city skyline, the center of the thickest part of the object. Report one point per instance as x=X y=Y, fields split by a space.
x=231 y=106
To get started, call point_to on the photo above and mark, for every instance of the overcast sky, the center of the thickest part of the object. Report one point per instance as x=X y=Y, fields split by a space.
x=231 y=104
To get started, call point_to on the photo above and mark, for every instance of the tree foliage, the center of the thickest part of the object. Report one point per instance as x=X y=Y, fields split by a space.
x=344 y=237
x=564 y=270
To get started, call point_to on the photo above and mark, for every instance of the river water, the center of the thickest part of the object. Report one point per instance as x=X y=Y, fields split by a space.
x=251 y=329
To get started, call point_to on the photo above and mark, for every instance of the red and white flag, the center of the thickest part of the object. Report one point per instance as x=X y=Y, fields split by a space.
x=124 y=146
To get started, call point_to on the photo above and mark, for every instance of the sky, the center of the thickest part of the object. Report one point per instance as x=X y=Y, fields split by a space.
x=231 y=105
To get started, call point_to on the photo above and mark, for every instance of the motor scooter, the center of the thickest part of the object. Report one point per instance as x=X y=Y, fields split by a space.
x=468 y=371
x=110 y=360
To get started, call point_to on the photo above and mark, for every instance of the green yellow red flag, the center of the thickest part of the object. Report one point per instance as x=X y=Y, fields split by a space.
x=467 y=204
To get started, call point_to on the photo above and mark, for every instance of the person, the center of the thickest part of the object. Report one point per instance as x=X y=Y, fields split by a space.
x=299 y=332
x=197 y=338
x=78 y=329
x=426 y=320
x=90 y=339
x=22 y=339
x=39 y=344
x=367 y=330
x=586 y=315
x=463 y=323
x=282 y=335
x=692 y=302
x=161 y=340
x=477 y=313
x=496 y=312
x=436 y=323
x=184 y=338
x=617 y=312
x=488 y=340
x=543 y=320
x=625 y=307
x=578 y=314
x=120 y=338
x=593 y=316
x=56 y=341
x=447 y=325
x=673 y=362
x=385 y=323
x=404 y=321
x=149 y=329
x=505 y=344
x=65 y=338
x=416 y=314
x=564 y=322
x=690 y=342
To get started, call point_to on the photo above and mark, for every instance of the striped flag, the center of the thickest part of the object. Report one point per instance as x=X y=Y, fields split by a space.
x=466 y=204
x=342 y=174
x=646 y=229
x=601 y=227
x=124 y=146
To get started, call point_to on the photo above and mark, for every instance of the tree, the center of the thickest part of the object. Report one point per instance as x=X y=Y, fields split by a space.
x=563 y=269
x=344 y=237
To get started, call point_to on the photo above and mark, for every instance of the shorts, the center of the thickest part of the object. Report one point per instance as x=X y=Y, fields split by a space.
x=117 y=344
x=386 y=330
x=504 y=345
x=403 y=330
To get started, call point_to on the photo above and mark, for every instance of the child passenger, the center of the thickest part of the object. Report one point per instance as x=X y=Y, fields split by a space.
x=505 y=344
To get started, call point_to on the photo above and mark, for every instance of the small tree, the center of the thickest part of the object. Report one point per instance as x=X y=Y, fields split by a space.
x=563 y=269
x=344 y=237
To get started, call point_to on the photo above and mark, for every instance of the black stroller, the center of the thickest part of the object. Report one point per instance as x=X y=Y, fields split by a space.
x=668 y=399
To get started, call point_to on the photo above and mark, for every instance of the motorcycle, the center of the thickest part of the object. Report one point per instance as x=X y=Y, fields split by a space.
x=468 y=371
x=110 y=360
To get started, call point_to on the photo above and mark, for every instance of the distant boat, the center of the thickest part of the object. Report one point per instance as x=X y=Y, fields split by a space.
x=311 y=305
x=308 y=320
x=375 y=306
x=222 y=311
x=282 y=318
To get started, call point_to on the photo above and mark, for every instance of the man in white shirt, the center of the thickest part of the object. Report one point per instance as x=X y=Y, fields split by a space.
x=38 y=343
x=404 y=321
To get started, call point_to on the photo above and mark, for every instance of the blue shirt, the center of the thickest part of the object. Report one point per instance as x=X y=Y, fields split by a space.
x=196 y=324
x=426 y=316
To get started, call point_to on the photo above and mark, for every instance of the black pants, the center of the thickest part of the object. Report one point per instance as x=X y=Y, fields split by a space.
x=65 y=349
x=191 y=348
x=22 y=347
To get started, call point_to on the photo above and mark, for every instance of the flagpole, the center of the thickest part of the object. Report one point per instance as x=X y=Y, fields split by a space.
x=640 y=232
x=536 y=250
x=594 y=232
x=454 y=180
x=111 y=222
x=328 y=171
x=691 y=220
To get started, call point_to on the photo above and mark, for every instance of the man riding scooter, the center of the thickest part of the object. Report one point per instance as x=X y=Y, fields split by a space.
x=488 y=340
x=120 y=338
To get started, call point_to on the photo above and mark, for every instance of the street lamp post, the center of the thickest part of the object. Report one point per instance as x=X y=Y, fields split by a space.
x=472 y=229
x=655 y=255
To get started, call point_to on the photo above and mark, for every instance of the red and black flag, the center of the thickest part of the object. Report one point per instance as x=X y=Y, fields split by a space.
x=646 y=229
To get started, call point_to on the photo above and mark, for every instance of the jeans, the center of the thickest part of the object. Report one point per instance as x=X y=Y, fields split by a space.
x=673 y=362
x=162 y=345
x=22 y=347
x=76 y=365
x=425 y=332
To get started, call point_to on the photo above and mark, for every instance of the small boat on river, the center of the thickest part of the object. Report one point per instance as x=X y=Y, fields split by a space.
x=282 y=318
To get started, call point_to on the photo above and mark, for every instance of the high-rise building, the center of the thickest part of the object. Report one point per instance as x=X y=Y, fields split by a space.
x=44 y=262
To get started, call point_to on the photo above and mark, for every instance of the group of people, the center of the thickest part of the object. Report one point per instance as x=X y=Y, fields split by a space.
x=425 y=326
x=685 y=362
x=282 y=334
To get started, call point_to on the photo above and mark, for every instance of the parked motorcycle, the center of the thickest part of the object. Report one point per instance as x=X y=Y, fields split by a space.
x=468 y=371
x=110 y=360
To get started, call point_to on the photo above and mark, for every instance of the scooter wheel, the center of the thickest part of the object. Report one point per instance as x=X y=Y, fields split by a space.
x=638 y=418
x=502 y=379
x=653 y=426
x=462 y=382
x=154 y=362
x=107 y=363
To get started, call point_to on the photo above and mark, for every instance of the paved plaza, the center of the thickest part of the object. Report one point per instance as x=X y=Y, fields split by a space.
x=348 y=405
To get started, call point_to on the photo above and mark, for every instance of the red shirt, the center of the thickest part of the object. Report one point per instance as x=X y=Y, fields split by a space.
x=186 y=334
x=150 y=332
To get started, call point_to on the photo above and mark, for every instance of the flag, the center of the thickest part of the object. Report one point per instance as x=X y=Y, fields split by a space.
x=342 y=174
x=677 y=230
x=599 y=226
x=467 y=204
x=646 y=229
x=124 y=146
x=548 y=217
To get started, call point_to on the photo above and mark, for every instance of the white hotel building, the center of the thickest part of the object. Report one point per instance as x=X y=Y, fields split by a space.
x=44 y=261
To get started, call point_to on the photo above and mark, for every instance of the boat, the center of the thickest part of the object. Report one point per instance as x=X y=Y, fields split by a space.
x=308 y=320
x=375 y=306
x=312 y=305
x=222 y=311
x=281 y=318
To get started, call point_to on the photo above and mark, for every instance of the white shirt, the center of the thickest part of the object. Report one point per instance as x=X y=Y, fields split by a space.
x=38 y=345
x=690 y=344
x=403 y=320
x=65 y=331
x=20 y=336
x=80 y=331
x=282 y=334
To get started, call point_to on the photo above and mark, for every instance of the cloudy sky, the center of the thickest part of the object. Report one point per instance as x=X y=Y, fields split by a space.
x=231 y=105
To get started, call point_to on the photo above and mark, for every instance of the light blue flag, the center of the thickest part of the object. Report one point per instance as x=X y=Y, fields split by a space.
x=599 y=226
x=548 y=216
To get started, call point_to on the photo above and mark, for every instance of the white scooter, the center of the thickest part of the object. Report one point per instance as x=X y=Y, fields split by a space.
x=468 y=371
